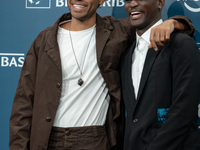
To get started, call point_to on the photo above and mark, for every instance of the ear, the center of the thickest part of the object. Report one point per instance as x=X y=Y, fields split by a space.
x=161 y=4
x=101 y=2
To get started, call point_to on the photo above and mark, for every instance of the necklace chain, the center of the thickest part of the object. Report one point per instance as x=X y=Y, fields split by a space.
x=80 y=81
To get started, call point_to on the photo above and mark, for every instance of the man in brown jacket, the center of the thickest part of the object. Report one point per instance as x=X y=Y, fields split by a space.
x=68 y=95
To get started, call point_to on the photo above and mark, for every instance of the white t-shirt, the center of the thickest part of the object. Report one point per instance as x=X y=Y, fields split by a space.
x=84 y=105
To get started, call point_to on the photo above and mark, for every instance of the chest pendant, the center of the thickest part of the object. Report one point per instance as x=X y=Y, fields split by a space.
x=80 y=81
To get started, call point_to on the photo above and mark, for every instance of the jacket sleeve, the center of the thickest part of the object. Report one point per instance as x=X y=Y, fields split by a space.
x=182 y=114
x=130 y=30
x=185 y=20
x=21 y=115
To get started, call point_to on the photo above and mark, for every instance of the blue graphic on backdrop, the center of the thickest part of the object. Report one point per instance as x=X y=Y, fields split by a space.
x=189 y=8
x=38 y=4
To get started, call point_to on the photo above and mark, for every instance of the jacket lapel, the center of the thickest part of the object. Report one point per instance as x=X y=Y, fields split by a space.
x=51 y=47
x=103 y=32
x=150 y=58
x=54 y=54
x=129 y=74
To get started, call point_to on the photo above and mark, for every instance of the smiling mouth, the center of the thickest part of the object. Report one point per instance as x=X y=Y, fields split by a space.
x=135 y=15
x=79 y=6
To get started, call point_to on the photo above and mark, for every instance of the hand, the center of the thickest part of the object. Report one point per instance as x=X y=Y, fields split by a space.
x=161 y=33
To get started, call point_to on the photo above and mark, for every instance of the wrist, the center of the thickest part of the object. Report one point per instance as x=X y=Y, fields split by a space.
x=178 y=25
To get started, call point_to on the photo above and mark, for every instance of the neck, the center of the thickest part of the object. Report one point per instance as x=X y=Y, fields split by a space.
x=144 y=29
x=78 y=25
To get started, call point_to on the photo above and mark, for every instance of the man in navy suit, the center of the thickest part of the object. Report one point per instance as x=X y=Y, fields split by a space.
x=161 y=89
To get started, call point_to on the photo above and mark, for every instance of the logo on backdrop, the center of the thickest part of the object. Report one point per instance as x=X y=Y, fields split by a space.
x=12 y=59
x=38 y=4
x=46 y=4
x=108 y=3
x=189 y=7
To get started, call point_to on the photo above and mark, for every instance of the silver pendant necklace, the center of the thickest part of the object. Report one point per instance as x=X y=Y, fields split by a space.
x=80 y=80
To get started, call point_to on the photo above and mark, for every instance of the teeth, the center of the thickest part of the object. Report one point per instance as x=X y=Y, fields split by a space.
x=133 y=13
x=78 y=6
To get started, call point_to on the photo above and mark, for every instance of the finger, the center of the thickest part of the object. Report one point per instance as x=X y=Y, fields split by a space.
x=161 y=40
x=150 y=46
x=158 y=39
x=167 y=36
x=162 y=37
x=153 y=44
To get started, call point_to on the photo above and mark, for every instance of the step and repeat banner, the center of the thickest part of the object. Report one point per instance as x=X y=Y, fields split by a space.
x=21 y=21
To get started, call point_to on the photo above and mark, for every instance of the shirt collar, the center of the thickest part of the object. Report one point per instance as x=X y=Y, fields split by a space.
x=146 y=35
x=63 y=22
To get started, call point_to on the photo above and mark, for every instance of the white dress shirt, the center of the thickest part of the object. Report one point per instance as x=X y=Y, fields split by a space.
x=139 y=56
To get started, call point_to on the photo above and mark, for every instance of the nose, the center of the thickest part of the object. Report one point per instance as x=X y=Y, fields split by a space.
x=133 y=3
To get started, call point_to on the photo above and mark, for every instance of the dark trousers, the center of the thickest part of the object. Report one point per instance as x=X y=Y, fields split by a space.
x=79 y=138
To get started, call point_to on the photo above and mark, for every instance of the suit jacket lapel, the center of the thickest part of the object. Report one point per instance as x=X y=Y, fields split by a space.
x=126 y=74
x=129 y=72
x=150 y=58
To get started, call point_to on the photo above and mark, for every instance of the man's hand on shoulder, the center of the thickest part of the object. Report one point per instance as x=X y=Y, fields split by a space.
x=161 y=33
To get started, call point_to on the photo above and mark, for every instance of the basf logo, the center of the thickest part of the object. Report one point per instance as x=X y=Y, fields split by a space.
x=38 y=4
x=192 y=5
x=12 y=59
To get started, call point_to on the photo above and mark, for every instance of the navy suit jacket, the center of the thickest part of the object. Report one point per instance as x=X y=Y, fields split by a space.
x=170 y=83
